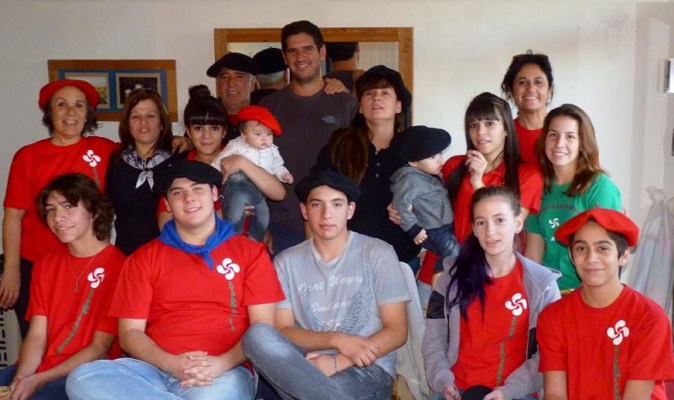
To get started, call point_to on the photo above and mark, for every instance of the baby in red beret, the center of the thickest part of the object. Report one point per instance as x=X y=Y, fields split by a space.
x=603 y=340
x=258 y=128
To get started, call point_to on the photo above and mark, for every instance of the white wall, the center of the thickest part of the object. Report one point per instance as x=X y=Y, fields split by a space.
x=461 y=49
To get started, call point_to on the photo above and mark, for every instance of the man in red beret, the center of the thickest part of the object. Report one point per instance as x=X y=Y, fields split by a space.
x=604 y=340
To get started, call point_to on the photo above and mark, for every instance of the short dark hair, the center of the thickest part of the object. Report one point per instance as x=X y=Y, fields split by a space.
x=341 y=51
x=76 y=187
x=165 y=136
x=90 y=125
x=619 y=239
x=519 y=61
x=303 y=26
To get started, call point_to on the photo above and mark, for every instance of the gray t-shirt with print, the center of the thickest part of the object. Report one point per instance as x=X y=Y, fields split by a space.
x=345 y=294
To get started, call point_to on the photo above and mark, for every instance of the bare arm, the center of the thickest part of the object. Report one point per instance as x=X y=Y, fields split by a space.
x=11 y=244
x=268 y=184
x=535 y=247
x=555 y=385
x=638 y=390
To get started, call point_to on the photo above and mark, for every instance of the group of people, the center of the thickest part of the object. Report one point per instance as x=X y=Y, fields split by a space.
x=189 y=293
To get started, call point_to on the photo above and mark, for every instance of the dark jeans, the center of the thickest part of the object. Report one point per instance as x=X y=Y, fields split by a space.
x=285 y=237
x=54 y=390
x=21 y=306
x=237 y=193
x=442 y=242
x=283 y=364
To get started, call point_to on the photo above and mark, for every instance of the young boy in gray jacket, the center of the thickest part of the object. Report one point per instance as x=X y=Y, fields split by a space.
x=419 y=196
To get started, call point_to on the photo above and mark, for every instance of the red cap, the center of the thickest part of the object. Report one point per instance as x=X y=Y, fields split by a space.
x=261 y=115
x=611 y=220
x=52 y=87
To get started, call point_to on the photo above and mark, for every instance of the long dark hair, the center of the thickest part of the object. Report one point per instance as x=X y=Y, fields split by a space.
x=490 y=106
x=349 y=147
x=587 y=163
x=470 y=272
x=203 y=108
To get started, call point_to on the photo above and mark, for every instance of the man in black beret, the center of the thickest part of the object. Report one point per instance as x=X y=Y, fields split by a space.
x=234 y=75
x=272 y=73
x=344 y=312
x=184 y=300
x=419 y=195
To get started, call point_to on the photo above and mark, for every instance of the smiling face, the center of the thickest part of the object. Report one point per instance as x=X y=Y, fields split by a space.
x=207 y=139
x=596 y=258
x=257 y=135
x=495 y=225
x=562 y=143
x=235 y=88
x=488 y=136
x=69 y=114
x=69 y=222
x=327 y=211
x=531 y=89
x=191 y=203
x=380 y=104
x=145 y=123
x=303 y=58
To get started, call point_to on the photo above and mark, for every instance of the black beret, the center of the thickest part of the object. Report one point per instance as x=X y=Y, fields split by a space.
x=418 y=142
x=381 y=71
x=332 y=179
x=476 y=392
x=235 y=61
x=270 y=60
x=193 y=170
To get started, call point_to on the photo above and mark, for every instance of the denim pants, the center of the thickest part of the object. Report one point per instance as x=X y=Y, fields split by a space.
x=237 y=193
x=283 y=365
x=129 y=378
x=54 y=390
x=442 y=242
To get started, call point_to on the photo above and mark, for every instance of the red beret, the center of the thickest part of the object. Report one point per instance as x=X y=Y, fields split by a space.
x=261 y=115
x=611 y=220
x=52 y=87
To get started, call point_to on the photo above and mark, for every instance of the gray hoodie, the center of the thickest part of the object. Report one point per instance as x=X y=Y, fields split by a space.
x=440 y=345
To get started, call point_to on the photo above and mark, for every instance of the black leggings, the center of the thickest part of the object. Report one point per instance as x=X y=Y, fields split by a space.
x=21 y=305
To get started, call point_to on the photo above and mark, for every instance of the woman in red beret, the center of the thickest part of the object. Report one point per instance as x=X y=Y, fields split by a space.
x=68 y=113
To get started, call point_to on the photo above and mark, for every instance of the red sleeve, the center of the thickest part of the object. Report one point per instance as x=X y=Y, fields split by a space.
x=550 y=343
x=18 y=190
x=531 y=188
x=451 y=165
x=261 y=284
x=652 y=356
x=133 y=294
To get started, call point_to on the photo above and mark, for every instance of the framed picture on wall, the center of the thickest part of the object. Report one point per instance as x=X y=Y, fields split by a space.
x=116 y=79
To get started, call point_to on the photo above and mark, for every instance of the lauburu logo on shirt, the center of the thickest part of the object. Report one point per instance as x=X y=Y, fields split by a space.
x=91 y=158
x=228 y=268
x=618 y=332
x=517 y=304
x=96 y=277
x=554 y=223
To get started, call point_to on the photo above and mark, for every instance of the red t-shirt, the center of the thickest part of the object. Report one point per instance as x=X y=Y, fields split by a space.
x=600 y=349
x=189 y=306
x=531 y=191
x=527 y=139
x=492 y=346
x=73 y=316
x=33 y=167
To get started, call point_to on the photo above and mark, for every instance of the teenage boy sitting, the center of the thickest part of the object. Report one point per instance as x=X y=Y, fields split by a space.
x=604 y=340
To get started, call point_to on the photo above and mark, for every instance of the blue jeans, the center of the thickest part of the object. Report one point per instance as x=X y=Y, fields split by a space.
x=442 y=242
x=129 y=378
x=283 y=364
x=54 y=390
x=285 y=237
x=237 y=193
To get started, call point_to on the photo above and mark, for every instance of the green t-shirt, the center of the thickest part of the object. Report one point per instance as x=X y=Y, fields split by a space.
x=557 y=208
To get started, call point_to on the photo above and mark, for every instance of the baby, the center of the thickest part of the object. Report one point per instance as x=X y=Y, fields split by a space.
x=419 y=195
x=256 y=143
